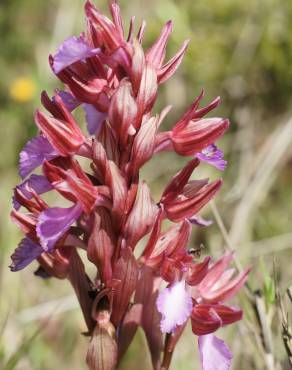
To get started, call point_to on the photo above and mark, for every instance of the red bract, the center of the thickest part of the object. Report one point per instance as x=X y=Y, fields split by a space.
x=73 y=183
x=112 y=209
x=61 y=130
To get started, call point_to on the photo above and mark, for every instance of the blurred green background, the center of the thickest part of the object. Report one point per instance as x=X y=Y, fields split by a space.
x=240 y=50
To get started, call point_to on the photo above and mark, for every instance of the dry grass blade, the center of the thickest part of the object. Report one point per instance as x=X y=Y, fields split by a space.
x=274 y=244
x=274 y=149
x=286 y=331
x=44 y=310
x=266 y=333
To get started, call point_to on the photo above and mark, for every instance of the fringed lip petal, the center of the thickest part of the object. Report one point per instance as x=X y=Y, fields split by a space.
x=214 y=353
x=175 y=306
x=54 y=222
x=26 y=252
x=35 y=152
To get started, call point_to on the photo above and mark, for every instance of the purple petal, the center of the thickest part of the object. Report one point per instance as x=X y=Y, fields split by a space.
x=54 y=222
x=72 y=50
x=69 y=100
x=213 y=156
x=200 y=221
x=214 y=353
x=175 y=305
x=94 y=119
x=34 y=153
x=24 y=254
x=38 y=183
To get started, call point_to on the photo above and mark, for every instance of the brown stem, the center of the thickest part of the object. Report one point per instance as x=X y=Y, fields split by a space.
x=167 y=356
x=80 y=282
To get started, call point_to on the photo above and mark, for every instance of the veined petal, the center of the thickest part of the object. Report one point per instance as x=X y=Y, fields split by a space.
x=68 y=179
x=103 y=32
x=214 y=354
x=101 y=244
x=117 y=19
x=213 y=156
x=125 y=271
x=54 y=222
x=143 y=145
x=63 y=134
x=179 y=181
x=148 y=89
x=179 y=209
x=228 y=314
x=38 y=183
x=198 y=271
x=34 y=153
x=215 y=272
x=175 y=305
x=196 y=135
x=24 y=254
x=141 y=217
x=167 y=70
x=224 y=290
x=72 y=50
x=94 y=119
x=138 y=63
x=123 y=111
x=156 y=54
x=205 y=319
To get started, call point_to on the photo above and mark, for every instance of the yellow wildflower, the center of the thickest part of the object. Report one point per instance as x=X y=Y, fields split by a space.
x=22 y=89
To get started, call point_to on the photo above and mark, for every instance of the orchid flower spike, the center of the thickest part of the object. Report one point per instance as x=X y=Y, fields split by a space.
x=105 y=208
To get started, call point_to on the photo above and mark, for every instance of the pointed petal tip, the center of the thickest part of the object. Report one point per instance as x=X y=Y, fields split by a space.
x=169 y=24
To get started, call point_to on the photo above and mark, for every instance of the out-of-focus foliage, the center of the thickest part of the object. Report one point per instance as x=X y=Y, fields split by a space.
x=241 y=50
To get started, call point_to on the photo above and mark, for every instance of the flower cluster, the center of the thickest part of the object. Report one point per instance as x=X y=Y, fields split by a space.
x=109 y=77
